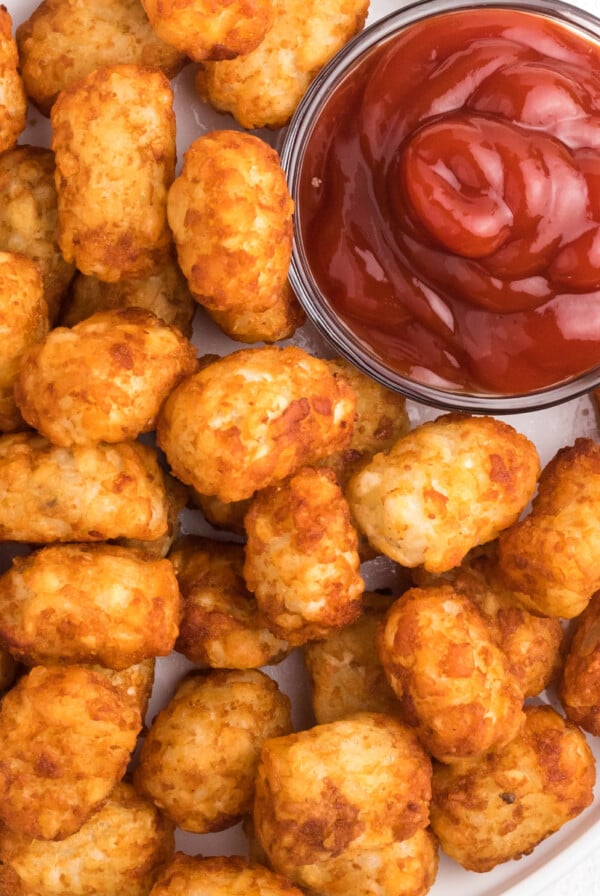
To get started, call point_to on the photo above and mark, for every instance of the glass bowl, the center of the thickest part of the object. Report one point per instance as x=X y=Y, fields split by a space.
x=321 y=119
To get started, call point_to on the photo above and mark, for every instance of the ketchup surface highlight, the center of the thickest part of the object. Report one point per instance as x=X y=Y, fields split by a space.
x=450 y=201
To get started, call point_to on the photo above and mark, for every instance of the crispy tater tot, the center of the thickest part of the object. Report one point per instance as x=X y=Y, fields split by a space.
x=453 y=682
x=94 y=603
x=532 y=644
x=345 y=672
x=165 y=293
x=67 y=736
x=551 y=559
x=23 y=323
x=402 y=868
x=381 y=419
x=579 y=681
x=121 y=849
x=64 y=40
x=198 y=761
x=280 y=321
x=13 y=100
x=29 y=217
x=263 y=88
x=137 y=362
x=221 y=626
x=448 y=485
x=501 y=806
x=87 y=494
x=354 y=784
x=113 y=136
x=134 y=684
x=231 y=216
x=220 y=876
x=203 y=29
x=251 y=418
x=177 y=495
x=302 y=561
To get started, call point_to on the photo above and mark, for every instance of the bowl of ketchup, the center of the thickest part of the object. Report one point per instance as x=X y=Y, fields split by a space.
x=445 y=170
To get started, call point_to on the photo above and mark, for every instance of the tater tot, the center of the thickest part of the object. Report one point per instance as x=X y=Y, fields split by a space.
x=67 y=736
x=447 y=486
x=121 y=849
x=579 y=682
x=113 y=136
x=231 y=216
x=221 y=627
x=165 y=293
x=23 y=323
x=278 y=322
x=134 y=684
x=64 y=40
x=302 y=561
x=13 y=100
x=249 y=419
x=198 y=761
x=551 y=559
x=87 y=494
x=532 y=644
x=89 y=604
x=29 y=217
x=263 y=87
x=177 y=495
x=401 y=868
x=203 y=29
x=220 y=876
x=501 y=806
x=453 y=682
x=137 y=362
x=359 y=783
x=381 y=419
x=345 y=672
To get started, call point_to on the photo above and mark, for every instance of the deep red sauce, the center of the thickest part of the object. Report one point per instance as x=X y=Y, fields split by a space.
x=450 y=201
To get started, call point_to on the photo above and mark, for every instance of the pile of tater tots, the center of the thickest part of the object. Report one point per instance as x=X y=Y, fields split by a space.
x=452 y=714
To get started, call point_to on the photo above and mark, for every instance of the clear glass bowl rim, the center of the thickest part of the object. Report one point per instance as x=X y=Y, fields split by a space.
x=337 y=333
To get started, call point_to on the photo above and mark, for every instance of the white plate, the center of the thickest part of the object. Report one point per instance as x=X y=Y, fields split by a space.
x=550 y=429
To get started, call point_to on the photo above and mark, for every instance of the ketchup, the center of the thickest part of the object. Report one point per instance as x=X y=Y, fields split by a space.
x=450 y=201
